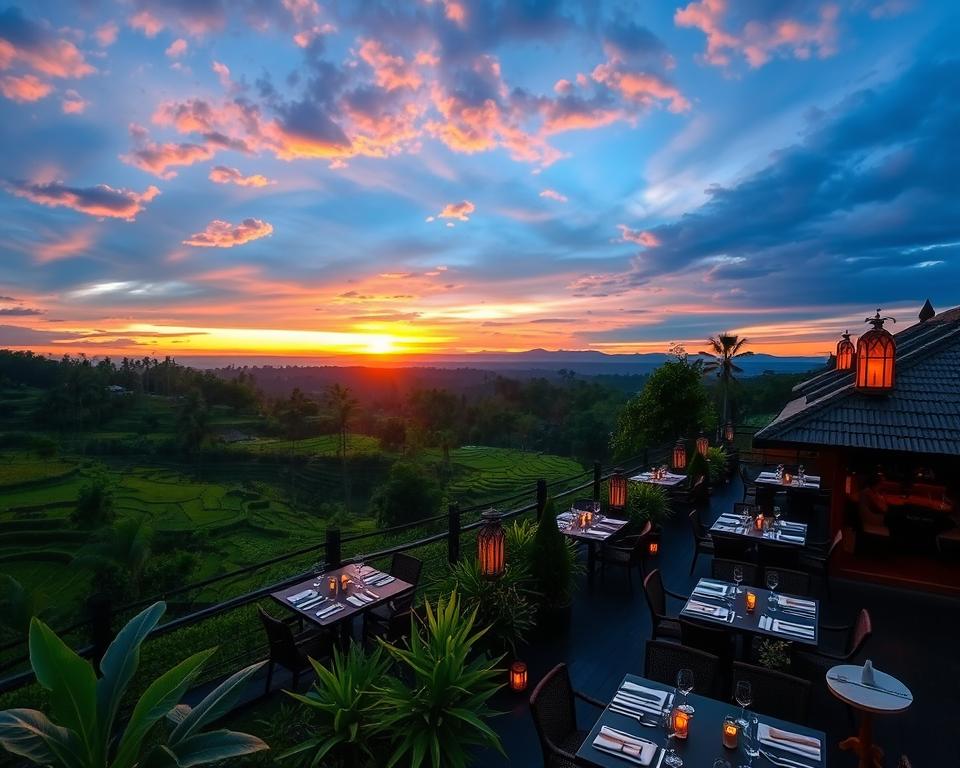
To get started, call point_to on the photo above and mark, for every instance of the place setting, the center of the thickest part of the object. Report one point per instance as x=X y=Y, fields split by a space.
x=645 y=706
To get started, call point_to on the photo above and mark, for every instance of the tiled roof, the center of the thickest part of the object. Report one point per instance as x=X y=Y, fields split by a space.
x=920 y=415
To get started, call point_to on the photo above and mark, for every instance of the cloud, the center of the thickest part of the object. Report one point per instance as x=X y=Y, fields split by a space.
x=223 y=234
x=39 y=47
x=24 y=89
x=460 y=211
x=552 y=194
x=75 y=243
x=73 y=103
x=177 y=48
x=19 y=312
x=638 y=237
x=389 y=71
x=194 y=17
x=106 y=34
x=758 y=36
x=222 y=174
x=223 y=73
x=101 y=201
x=157 y=158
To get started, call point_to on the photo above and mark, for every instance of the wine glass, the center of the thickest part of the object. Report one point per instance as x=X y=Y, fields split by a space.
x=684 y=686
x=670 y=756
x=358 y=567
x=801 y=475
x=776 y=518
x=744 y=696
x=751 y=740
x=773 y=580
x=319 y=570
x=738 y=577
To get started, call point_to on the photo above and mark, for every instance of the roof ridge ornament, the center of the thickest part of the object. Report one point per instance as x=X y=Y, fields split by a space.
x=877 y=321
x=927 y=312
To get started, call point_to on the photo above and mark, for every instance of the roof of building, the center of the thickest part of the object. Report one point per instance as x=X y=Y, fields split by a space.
x=920 y=415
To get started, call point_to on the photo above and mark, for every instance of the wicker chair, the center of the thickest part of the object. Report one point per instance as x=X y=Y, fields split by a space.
x=777 y=554
x=663 y=660
x=791 y=582
x=702 y=540
x=749 y=486
x=394 y=616
x=717 y=641
x=553 y=707
x=626 y=553
x=292 y=651
x=774 y=693
x=732 y=547
x=722 y=570
x=857 y=636
x=656 y=594
x=818 y=559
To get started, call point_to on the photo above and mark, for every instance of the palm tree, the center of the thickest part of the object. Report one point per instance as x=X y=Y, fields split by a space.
x=126 y=545
x=726 y=347
x=341 y=404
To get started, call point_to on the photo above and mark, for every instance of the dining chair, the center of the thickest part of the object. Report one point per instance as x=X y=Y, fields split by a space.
x=656 y=595
x=292 y=652
x=818 y=559
x=776 y=554
x=790 y=582
x=749 y=486
x=583 y=505
x=722 y=570
x=718 y=641
x=379 y=619
x=663 y=660
x=702 y=540
x=732 y=547
x=857 y=636
x=775 y=694
x=626 y=553
x=554 y=711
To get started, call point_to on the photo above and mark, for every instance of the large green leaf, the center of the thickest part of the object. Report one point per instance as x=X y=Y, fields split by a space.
x=119 y=664
x=30 y=734
x=214 y=746
x=71 y=681
x=216 y=704
x=162 y=696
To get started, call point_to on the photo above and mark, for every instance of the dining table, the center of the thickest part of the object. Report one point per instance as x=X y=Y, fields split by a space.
x=634 y=716
x=781 y=532
x=667 y=479
x=717 y=603
x=810 y=482
x=599 y=530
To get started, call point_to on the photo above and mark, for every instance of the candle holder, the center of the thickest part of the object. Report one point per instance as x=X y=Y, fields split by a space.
x=751 y=601
x=730 y=733
x=518 y=676
x=681 y=723
x=758 y=522
x=332 y=585
x=787 y=478
x=344 y=581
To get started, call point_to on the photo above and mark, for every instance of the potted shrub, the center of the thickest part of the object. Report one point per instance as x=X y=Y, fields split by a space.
x=553 y=568
x=717 y=464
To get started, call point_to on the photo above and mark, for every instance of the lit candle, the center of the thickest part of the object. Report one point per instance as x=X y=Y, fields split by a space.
x=344 y=580
x=332 y=584
x=654 y=547
x=787 y=478
x=518 y=676
x=681 y=724
x=731 y=733
x=751 y=599
x=758 y=522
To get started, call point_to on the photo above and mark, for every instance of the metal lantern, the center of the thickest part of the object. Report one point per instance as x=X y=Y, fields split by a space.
x=618 y=489
x=680 y=455
x=491 y=545
x=876 y=353
x=846 y=353
x=518 y=676
x=702 y=445
x=729 y=432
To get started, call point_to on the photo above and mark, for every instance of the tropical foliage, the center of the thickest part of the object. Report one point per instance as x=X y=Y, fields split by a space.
x=647 y=502
x=408 y=495
x=81 y=730
x=724 y=349
x=553 y=561
x=717 y=463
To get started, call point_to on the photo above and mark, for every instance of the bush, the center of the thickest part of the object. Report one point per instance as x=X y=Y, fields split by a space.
x=553 y=561
x=697 y=468
x=408 y=495
x=94 y=504
x=717 y=462
x=647 y=502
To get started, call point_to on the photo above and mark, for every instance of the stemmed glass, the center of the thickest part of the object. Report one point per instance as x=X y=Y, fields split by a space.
x=670 y=756
x=738 y=577
x=319 y=569
x=779 y=472
x=751 y=743
x=684 y=686
x=744 y=696
x=776 y=518
x=773 y=580
x=358 y=567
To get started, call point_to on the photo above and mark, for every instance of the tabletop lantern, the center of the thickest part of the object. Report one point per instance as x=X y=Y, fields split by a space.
x=518 y=676
x=846 y=353
x=491 y=545
x=680 y=455
x=729 y=432
x=702 y=445
x=653 y=546
x=618 y=489
x=876 y=351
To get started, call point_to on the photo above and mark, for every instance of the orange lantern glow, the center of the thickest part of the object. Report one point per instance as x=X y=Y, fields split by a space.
x=846 y=353
x=681 y=723
x=787 y=478
x=491 y=546
x=758 y=522
x=618 y=489
x=653 y=547
x=731 y=733
x=729 y=432
x=876 y=353
x=518 y=676
x=751 y=601
x=332 y=585
x=680 y=455
x=702 y=445
x=344 y=580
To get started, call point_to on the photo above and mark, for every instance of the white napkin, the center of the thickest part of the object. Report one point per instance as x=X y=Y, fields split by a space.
x=717 y=611
x=786 y=628
x=797 y=604
x=359 y=600
x=634 y=697
x=596 y=534
x=640 y=689
x=302 y=595
x=632 y=748
x=765 y=734
x=329 y=611
x=613 y=521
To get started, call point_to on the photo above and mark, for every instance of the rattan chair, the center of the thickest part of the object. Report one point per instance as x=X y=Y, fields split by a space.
x=656 y=594
x=702 y=540
x=626 y=553
x=718 y=641
x=292 y=651
x=394 y=616
x=774 y=693
x=663 y=660
x=818 y=559
x=722 y=570
x=749 y=486
x=554 y=711
x=857 y=636
x=790 y=582
x=775 y=554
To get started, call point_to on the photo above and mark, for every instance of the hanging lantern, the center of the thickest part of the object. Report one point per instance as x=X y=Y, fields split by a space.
x=491 y=545
x=876 y=352
x=846 y=353
x=702 y=445
x=618 y=489
x=680 y=455
x=518 y=676
x=729 y=432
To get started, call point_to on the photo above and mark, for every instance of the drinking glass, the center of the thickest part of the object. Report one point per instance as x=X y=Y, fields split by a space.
x=358 y=566
x=685 y=686
x=779 y=472
x=744 y=696
x=319 y=570
x=776 y=518
x=670 y=756
x=773 y=580
x=751 y=740
x=738 y=577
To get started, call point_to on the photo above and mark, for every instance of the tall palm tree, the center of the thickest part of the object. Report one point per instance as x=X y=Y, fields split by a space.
x=341 y=404
x=725 y=348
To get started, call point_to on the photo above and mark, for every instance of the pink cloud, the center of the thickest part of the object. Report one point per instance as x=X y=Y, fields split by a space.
x=304 y=37
x=25 y=88
x=156 y=158
x=223 y=234
x=640 y=87
x=223 y=72
x=221 y=174
x=106 y=34
x=177 y=48
x=146 y=22
x=390 y=72
x=303 y=11
x=552 y=194
x=638 y=237
x=101 y=201
x=40 y=48
x=460 y=211
x=190 y=16
x=73 y=103
x=75 y=243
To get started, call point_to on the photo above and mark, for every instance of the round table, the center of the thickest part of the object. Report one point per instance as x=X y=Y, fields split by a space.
x=870 y=701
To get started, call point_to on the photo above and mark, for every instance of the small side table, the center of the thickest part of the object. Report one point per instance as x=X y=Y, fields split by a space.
x=870 y=701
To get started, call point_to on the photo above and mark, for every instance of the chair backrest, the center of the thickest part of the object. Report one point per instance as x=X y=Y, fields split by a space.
x=715 y=640
x=723 y=570
x=283 y=646
x=776 y=555
x=408 y=569
x=862 y=629
x=700 y=493
x=774 y=693
x=663 y=660
x=834 y=545
x=656 y=597
x=731 y=547
x=791 y=582
x=583 y=505
x=553 y=709
x=744 y=476
x=697 y=525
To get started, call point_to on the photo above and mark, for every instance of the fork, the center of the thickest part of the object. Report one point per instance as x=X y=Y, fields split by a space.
x=627 y=713
x=783 y=762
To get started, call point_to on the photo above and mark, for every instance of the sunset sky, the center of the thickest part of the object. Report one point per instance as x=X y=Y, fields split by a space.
x=317 y=177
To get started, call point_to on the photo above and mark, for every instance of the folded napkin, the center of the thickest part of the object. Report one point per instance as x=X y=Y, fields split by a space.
x=614 y=521
x=710 y=589
x=359 y=600
x=716 y=611
x=596 y=534
x=311 y=603
x=639 y=699
x=805 y=746
x=387 y=579
x=790 y=537
x=631 y=748
x=797 y=604
x=307 y=593
x=643 y=692
x=771 y=624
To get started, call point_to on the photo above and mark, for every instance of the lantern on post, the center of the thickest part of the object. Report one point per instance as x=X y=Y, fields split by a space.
x=491 y=545
x=729 y=432
x=846 y=353
x=618 y=489
x=518 y=676
x=702 y=445
x=680 y=455
x=876 y=352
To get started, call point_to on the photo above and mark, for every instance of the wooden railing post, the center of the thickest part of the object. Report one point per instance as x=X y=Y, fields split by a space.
x=334 y=559
x=100 y=613
x=597 y=474
x=541 y=497
x=453 y=533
